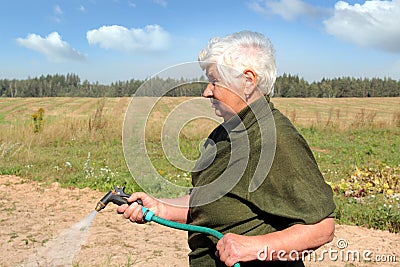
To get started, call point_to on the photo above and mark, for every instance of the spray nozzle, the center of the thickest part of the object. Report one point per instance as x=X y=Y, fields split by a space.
x=116 y=196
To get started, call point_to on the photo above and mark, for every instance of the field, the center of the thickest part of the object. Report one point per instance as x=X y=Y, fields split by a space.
x=76 y=143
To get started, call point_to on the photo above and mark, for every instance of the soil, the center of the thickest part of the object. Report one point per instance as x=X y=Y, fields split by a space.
x=34 y=216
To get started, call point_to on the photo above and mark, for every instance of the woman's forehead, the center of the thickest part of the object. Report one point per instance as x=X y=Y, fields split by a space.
x=213 y=70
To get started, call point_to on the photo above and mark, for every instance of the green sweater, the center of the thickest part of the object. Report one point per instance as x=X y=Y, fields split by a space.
x=289 y=188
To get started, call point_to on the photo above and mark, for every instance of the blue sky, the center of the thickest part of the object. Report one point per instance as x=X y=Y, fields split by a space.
x=110 y=40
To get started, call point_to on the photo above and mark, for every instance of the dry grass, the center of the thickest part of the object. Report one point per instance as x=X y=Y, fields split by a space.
x=91 y=118
x=342 y=113
x=64 y=118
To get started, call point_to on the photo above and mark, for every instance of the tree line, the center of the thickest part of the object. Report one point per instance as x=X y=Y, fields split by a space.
x=70 y=85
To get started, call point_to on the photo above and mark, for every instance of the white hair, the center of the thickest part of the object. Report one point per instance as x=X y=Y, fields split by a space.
x=240 y=51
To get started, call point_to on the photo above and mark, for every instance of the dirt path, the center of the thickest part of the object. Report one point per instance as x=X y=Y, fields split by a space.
x=33 y=216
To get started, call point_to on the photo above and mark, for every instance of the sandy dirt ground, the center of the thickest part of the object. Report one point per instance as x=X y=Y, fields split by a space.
x=47 y=221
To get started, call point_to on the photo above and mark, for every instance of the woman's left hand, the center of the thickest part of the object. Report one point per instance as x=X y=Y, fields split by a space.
x=233 y=248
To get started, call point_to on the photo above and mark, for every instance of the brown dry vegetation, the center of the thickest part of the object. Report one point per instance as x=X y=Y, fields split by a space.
x=341 y=112
x=302 y=111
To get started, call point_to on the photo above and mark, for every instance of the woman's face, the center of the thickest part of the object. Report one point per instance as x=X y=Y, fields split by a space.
x=225 y=101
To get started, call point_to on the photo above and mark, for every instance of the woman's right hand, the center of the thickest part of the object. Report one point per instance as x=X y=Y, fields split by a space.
x=133 y=212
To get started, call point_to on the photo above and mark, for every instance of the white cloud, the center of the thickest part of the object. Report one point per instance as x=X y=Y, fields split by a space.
x=131 y=4
x=57 y=14
x=81 y=8
x=57 y=10
x=372 y=24
x=255 y=6
x=151 y=38
x=52 y=46
x=162 y=3
x=287 y=9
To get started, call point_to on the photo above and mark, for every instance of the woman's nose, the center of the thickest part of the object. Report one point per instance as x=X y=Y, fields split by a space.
x=208 y=91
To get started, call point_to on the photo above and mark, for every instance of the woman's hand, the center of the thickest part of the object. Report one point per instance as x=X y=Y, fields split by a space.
x=279 y=245
x=134 y=213
x=233 y=248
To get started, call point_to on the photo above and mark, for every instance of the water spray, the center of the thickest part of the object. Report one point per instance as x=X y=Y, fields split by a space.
x=119 y=197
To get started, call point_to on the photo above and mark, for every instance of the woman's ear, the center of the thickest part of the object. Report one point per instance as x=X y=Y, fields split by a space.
x=251 y=81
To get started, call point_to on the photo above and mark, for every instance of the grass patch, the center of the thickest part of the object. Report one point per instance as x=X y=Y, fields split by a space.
x=340 y=152
x=374 y=211
x=363 y=168
x=80 y=145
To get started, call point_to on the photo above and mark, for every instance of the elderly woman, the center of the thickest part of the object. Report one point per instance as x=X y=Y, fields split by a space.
x=267 y=195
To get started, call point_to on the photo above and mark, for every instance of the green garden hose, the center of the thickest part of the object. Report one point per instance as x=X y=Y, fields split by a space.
x=119 y=197
x=149 y=216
